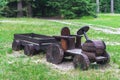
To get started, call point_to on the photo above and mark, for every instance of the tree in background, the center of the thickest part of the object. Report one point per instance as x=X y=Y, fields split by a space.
x=29 y=12
x=72 y=8
x=117 y=6
x=112 y=6
x=60 y=8
x=24 y=10
x=98 y=8
x=48 y=8
x=19 y=8
x=3 y=3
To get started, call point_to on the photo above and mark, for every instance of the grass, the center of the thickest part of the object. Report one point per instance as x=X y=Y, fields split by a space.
x=103 y=20
x=23 y=68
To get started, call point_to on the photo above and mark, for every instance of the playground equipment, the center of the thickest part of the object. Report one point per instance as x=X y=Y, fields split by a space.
x=59 y=48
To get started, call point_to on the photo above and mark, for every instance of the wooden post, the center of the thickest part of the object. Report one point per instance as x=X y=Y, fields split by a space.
x=112 y=6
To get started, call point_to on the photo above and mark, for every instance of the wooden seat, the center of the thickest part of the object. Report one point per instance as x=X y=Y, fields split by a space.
x=71 y=41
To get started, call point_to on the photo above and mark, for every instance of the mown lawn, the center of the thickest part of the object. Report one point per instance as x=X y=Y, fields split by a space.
x=23 y=67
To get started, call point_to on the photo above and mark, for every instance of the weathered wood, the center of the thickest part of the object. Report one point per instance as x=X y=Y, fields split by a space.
x=78 y=42
x=65 y=31
x=54 y=54
x=60 y=48
x=94 y=49
x=106 y=60
x=35 y=38
x=83 y=30
x=95 y=46
x=68 y=43
x=30 y=40
x=81 y=61
x=64 y=44
x=91 y=56
x=16 y=45
x=29 y=50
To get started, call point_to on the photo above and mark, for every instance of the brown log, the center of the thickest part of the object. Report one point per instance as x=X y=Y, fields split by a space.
x=29 y=50
x=98 y=47
x=105 y=61
x=81 y=61
x=91 y=56
x=54 y=54
x=16 y=45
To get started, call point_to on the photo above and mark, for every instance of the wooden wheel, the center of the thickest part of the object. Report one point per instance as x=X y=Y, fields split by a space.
x=54 y=54
x=81 y=61
x=29 y=49
x=65 y=31
x=16 y=45
x=105 y=61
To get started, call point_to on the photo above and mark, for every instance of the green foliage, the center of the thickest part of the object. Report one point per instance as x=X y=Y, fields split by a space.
x=48 y=8
x=2 y=5
x=62 y=8
x=105 y=6
x=117 y=6
x=72 y=8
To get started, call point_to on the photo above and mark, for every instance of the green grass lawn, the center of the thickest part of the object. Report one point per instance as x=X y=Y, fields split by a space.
x=22 y=68
x=111 y=20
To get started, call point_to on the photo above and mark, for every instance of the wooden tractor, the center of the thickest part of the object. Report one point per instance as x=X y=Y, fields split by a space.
x=94 y=49
x=59 y=48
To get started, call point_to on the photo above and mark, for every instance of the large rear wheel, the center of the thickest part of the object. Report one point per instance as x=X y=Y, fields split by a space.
x=54 y=54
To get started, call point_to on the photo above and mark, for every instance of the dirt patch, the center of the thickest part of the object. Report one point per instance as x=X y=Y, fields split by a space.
x=64 y=66
x=16 y=54
x=106 y=30
x=11 y=21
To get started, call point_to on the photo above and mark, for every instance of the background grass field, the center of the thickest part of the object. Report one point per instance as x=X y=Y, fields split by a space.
x=23 y=67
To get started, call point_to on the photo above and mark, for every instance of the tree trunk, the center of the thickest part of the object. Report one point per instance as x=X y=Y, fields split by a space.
x=98 y=8
x=112 y=6
x=29 y=10
x=19 y=8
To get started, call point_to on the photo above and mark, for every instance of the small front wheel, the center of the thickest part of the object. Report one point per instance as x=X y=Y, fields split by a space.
x=81 y=61
x=105 y=61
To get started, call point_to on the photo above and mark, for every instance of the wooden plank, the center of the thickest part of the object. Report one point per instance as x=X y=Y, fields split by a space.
x=35 y=38
x=74 y=51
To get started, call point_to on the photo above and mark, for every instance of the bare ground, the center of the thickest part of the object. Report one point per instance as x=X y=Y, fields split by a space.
x=64 y=66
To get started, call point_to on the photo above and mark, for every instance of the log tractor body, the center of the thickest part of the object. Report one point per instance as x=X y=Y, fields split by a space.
x=59 y=48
